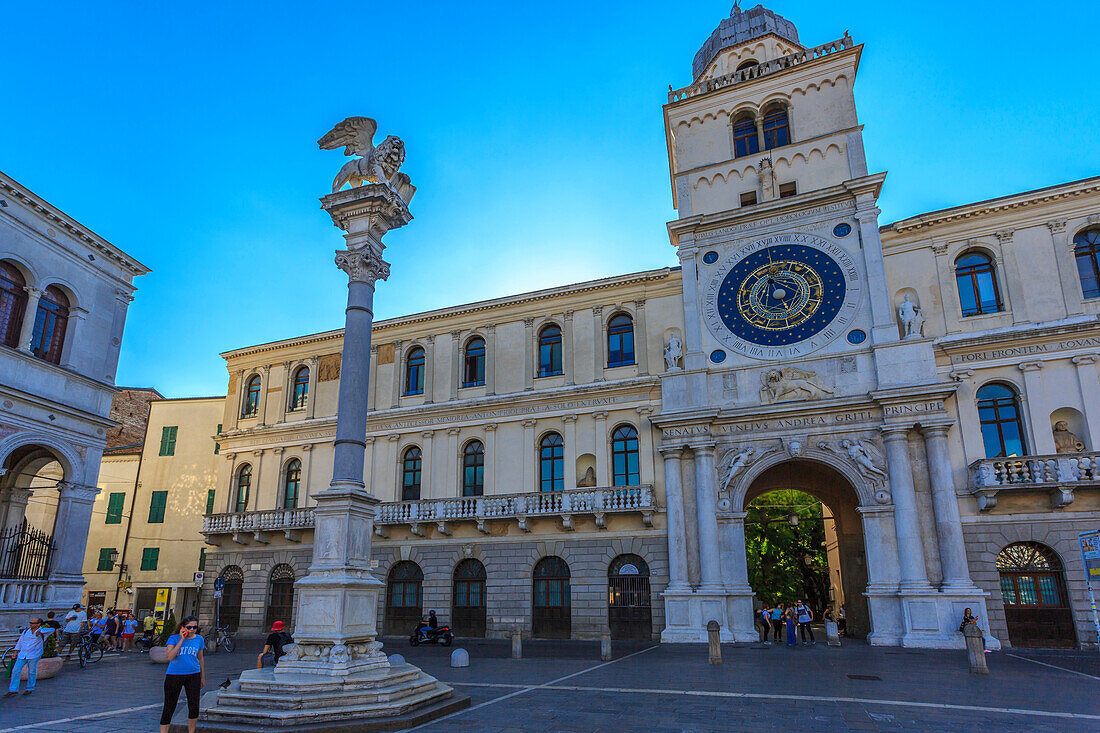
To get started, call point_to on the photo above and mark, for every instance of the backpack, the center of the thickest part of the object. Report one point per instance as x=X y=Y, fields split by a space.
x=283 y=639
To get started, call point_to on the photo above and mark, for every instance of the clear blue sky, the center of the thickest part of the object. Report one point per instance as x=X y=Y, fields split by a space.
x=185 y=134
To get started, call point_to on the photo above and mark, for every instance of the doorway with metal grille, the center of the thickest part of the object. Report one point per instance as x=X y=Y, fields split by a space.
x=1033 y=589
x=629 y=612
x=468 y=600
x=551 y=607
x=280 y=600
x=404 y=600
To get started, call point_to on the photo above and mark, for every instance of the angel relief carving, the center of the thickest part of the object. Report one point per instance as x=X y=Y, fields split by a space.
x=864 y=455
x=378 y=164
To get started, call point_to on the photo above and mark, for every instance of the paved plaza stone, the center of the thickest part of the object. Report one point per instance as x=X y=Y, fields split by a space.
x=562 y=686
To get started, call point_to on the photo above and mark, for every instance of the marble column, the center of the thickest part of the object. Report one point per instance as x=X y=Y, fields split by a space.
x=907 y=524
x=265 y=374
x=30 y=315
x=641 y=353
x=956 y=572
x=1087 y=379
x=569 y=454
x=1038 y=409
x=600 y=443
x=706 y=498
x=528 y=354
x=74 y=516
x=674 y=509
x=568 y=362
x=530 y=482
x=311 y=389
x=456 y=364
x=491 y=359
x=491 y=459
x=429 y=375
x=598 y=344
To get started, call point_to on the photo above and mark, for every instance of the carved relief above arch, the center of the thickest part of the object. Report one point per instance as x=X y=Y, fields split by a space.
x=796 y=450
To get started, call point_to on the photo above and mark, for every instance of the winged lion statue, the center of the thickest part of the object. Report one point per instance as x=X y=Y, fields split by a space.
x=377 y=163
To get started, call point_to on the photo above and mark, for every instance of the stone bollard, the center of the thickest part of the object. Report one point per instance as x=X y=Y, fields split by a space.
x=605 y=645
x=714 y=652
x=460 y=658
x=396 y=659
x=517 y=644
x=975 y=649
x=832 y=633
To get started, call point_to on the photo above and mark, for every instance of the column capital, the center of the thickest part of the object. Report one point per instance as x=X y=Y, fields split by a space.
x=1056 y=226
x=307 y=447
x=258 y=452
x=489 y=427
x=530 y=423
x=312 y=361
x=1030 y=366
x=962 y=375
x=278 y=450
x=393 y=437
x=32 y=292
x=491 y=328
x=597 y=310
x=640 y=304
x=644 y=410
x=427 y=433
x=568 y=315
x=867 y=216
x=601 y=415
x=429 y=339
x=456 y=335
x=938 y=429
x=1005 y=235
x=939 y=248
x=703 y=449
x=362 y=265
x=1085 y=359
x=671 y=452
x=264 y=368
x=895 y=432
x=77 y=492
x=454 y=431
x=528 y=322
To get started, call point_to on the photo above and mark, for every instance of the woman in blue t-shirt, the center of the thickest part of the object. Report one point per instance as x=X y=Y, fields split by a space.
x=186 y=671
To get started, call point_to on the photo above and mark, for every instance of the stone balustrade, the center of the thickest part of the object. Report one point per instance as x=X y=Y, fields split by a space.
x=1060 y=474
x=16 y=593
x=768 y=67
x=248 y=527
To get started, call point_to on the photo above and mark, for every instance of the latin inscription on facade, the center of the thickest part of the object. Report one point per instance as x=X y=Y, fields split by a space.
x=919 y=408
x=1016 y=351
x=798 y=422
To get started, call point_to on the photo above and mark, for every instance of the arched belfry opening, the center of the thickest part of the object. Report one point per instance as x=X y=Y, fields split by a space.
x=804 y=540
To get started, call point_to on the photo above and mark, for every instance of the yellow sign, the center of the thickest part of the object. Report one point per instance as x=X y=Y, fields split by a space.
x=125 y=584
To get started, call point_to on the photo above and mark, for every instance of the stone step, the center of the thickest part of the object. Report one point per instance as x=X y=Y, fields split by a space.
x=271 y=685
x=433 y=693
x=384 y=691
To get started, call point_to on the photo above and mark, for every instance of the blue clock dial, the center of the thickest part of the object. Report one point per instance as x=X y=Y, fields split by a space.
x=781 y=295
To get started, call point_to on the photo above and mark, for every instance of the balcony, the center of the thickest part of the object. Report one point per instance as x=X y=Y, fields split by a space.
x=443 y=514
x=1060 y=475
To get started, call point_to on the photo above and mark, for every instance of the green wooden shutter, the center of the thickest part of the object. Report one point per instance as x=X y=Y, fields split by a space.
x=217 y=445
x=114 y=507
x=149 y=558
x=210 y=501
x=157 y=502
x=105 y=563
x=168 y=440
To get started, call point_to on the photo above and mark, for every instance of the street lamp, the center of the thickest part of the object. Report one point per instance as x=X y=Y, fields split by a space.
x=113 y=557
x=793 y=519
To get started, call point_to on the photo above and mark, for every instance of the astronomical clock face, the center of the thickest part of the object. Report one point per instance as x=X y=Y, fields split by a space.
x=783 y=296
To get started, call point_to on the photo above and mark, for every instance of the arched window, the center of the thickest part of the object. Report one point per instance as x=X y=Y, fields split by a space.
x=977 y=281
x=550 y=351
x=629 y=613
x=999 y=415
x=745 y=141
x=244 y=485
x=551 y=463
x=551 y=595
x=473 y=365
x=1033 y=588
x=468 y=600
x=49 y=325
x=229 y=609
x=13 y=304
x=414 y=372
x=251 y=406
x=1086 y=247
x=404 y=603
x=747 y=64
x=776 y=130
x=292 y=483
x=299 y=390
x=473 y=469
x=620 y=341
x=624 y=456
x=411 y=465
x=280 y=600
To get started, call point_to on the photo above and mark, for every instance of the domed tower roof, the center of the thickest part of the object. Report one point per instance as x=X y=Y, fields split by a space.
x=742 y=26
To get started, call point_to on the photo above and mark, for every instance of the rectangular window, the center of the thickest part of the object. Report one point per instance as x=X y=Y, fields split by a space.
x=217 y=445
x=786 y=190
x=157 y=502
x=168 y=440
x=105 y=562
x=202 y=559
x=149 y=558
x=114 y=507
x=748 y=198
x=210 y=501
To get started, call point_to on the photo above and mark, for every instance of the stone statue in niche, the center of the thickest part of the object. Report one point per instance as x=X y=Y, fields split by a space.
x=864 y=455
x=378 y=164
x=912 y=320
x=1065 y=441
x=767 y=179
x=674 y=353
x=589 y=479
x=788 y=383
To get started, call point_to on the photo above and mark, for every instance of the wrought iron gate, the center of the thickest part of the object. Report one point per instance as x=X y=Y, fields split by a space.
x=629 y=613
x=25 y=553
x=280 y=603
x=468 y=602
x=551 y=609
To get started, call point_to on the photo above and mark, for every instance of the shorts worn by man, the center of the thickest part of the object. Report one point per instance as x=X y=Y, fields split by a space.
x=75 y=622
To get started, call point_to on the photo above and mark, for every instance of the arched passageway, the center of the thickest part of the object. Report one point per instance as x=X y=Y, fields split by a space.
x=804 y=538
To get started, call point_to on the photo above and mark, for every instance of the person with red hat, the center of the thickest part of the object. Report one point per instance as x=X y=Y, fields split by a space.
x=274 y=646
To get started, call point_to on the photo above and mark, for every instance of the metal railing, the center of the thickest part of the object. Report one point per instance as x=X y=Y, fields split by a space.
x=25 y=553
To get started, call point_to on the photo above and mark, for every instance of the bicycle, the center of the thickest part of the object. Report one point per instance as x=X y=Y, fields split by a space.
x=220 y=637
x=89 y=651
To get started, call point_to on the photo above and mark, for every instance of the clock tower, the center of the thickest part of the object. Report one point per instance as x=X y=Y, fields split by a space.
x=794 y=365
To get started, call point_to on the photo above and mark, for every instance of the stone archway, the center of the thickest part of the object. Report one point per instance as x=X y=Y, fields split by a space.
x=837 y=493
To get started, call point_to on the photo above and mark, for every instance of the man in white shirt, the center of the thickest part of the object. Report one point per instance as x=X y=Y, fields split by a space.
x=75 y=622
x=28 y=650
